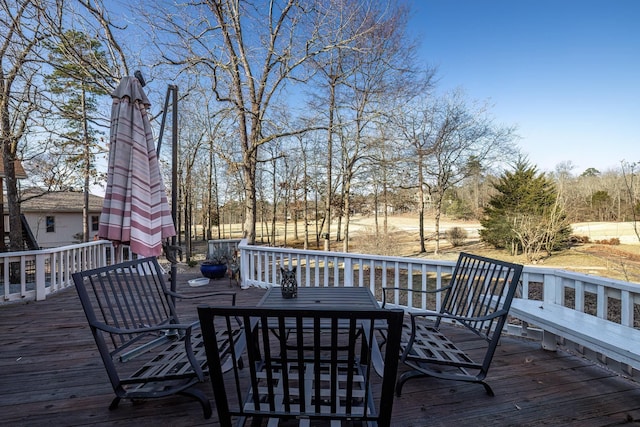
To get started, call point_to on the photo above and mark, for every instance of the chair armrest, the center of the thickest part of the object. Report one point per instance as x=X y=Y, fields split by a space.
x=133 y=352
x=493 y=315
x=418 y=291
x=143 y=330
x=202 y=295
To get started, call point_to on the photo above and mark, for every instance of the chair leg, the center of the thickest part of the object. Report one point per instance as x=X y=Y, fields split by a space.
x=406 y=377
x=487 y=388
x=416 y=374
x=114 y=403
x=202 y=398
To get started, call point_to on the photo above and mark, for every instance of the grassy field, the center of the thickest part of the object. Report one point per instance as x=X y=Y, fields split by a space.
x=402 y=239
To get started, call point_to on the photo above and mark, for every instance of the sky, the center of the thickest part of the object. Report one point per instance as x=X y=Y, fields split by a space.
x=566 y=73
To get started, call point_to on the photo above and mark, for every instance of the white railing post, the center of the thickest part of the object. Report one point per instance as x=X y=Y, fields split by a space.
x=626 y=308
x=41 y=283
x=244 y=262
x=603 y=303
x=550 y=290
x=348 y=272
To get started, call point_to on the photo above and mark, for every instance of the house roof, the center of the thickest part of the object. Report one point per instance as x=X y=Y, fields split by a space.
x=62 y=201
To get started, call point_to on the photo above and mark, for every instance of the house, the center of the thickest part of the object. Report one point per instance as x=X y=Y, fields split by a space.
x=55 y=218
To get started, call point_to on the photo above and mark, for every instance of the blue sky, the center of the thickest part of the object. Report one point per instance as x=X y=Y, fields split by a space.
x=565 y=72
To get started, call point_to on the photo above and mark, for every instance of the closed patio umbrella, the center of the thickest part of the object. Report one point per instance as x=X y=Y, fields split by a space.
x=135 y=210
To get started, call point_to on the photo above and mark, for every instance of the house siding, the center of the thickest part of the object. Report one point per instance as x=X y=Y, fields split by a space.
x=66 y=209
x=67 y=226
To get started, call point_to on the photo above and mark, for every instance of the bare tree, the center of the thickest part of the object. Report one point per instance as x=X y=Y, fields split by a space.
x=194 y=138
x=382 y=69
x=460 y=134
x=350 y=82
x=330 y=66
x=93 y=18
x=413 y=122
x=30 y=29
x=629 y=175
x=537 y=233
x=20 y=51
x=217 y=129
x=249 y=52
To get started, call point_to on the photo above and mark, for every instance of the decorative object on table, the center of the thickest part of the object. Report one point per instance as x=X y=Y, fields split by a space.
x=215 y=266
x=289 y=283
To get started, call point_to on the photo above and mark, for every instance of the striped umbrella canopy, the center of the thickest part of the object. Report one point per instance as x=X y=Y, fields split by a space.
x=135 y=210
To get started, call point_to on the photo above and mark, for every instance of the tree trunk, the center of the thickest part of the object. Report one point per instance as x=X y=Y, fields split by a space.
x=8 y=157
x=305 y=196
x=437 y=223
x=274 y=209
x=421 y=208
x=347 y=206
x=16 y=242
x=375 y=209
x=385 y=211
x=249 y=173
x=86 y=169
x=326 y=228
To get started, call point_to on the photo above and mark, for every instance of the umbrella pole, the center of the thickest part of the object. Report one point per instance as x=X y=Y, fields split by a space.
x=172 y=92
x=174 y=176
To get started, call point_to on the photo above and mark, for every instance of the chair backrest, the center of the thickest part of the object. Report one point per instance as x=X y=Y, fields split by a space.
x=303 y=364
x=129 y=295
x=479 y=288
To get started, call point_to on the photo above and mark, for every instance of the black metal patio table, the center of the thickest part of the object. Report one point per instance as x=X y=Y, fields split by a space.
x=312 y=359
x=330 y=298
x=319 y=298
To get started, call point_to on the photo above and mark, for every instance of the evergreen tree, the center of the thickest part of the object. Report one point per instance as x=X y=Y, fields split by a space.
x=75 y=60
x=526 y=215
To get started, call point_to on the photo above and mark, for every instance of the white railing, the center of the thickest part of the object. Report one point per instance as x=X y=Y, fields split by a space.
x=32 y=275
x=613 y=300
x=608 y=299
x=260 y=267
x=230 y=246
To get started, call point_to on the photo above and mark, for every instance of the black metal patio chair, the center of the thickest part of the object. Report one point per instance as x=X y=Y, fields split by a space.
x=478 y=297
x=146 y=350
x=304 y=366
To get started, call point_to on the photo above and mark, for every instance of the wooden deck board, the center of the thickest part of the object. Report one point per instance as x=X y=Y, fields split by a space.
x=51 y=374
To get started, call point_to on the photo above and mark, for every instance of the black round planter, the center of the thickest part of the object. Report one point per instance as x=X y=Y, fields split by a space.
x=213 y=271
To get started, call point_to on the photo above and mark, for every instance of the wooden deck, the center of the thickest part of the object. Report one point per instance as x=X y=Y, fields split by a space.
x=51 y=375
